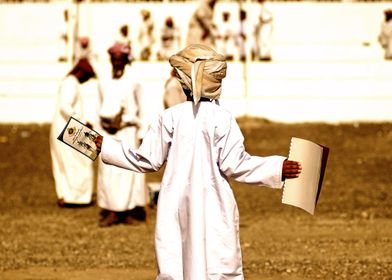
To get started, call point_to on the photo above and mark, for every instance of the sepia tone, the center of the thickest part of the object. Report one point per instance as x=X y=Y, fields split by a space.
x=349 y=237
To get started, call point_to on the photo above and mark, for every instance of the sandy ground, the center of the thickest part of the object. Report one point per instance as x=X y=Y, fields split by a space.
x=349 y=237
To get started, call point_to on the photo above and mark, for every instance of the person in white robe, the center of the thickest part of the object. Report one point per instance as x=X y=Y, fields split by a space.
x=146 y=35
x=262 y=47
x=73 y=172
x=241 y=38
x=385 y=36
x=226 y=39
x=121 y=194
x=202 y=29
x=170 y=39
x=197 y=226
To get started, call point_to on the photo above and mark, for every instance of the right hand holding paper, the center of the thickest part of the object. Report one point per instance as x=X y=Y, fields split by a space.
x=304 y=191
x=291 y=169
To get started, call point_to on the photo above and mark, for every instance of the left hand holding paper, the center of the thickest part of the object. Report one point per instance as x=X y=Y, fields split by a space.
x=98 y=142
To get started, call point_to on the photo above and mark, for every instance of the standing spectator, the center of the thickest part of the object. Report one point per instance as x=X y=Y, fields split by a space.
x=226 y=37
x=385 y=36
x=123 y=38
x=83 y=49
x=146 y=35
x=121 y=194
x=197 y=228
x=201 y=27
x=123 y=35
x=72 y=172
x=170 y=39
x=263 y=34
x=241 y=36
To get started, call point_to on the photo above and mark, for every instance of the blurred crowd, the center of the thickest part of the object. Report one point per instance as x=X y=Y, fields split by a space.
x=232 y=35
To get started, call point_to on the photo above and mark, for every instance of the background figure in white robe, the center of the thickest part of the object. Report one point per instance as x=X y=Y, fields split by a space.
x=385 y=36
x=121 y=194
x=146 y=35
x=202 y=29
x=65 y=35
x=170 y=39
x=173 y=93
x=72 y=171
x=263 y=34
x=242 y=36
x=226 y=42
x=197 y=228
x=123 y=38
x=83 y=49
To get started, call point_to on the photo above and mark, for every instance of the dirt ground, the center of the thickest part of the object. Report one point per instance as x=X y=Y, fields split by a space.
x=349 y=237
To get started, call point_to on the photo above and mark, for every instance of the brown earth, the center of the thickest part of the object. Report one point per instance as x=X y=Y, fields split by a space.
x=349 y=237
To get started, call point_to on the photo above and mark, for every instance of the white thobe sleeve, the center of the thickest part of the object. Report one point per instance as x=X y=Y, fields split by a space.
x=149 y=157
x=236 y=163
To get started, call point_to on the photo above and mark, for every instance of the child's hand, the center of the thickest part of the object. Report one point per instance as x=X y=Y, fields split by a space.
x=291 y=169
x=98 y=142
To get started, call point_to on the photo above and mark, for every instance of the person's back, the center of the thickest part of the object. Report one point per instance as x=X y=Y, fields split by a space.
x=197 y=226
x=193 y=187
x=72 y=172
x=193 y=136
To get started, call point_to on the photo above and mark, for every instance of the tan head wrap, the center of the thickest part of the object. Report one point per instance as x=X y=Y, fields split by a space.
x=201 y=70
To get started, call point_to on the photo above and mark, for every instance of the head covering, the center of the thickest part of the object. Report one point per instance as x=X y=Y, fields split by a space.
x=84 y=68
x=201 y=70
x=84 y=41
x=119 y=49
x=145 y=13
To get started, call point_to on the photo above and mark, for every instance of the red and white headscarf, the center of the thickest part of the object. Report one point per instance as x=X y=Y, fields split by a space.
x=120 y=49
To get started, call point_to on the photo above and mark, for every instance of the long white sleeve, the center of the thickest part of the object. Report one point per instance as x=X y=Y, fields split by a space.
x=236 y=163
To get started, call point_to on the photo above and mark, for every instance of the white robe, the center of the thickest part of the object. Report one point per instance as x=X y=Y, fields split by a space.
x=227 y=36
x=72 y=171
x=197 y=227
x=119 y=189
x=200 y=23
x=263 y=33
x=385 y=38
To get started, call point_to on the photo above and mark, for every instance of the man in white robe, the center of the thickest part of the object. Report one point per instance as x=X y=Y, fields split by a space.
x=146 y=35
x=226 y=42
x=72 y=171
x=385 y=36
x=263 y=34
x=197 y=227
x=170 y=39
x=202 y=29
x=121 y=193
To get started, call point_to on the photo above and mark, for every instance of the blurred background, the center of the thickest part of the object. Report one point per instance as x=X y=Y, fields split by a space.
x=327 y=62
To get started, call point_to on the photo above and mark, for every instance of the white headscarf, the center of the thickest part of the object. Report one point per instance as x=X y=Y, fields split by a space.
x=201 y=70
